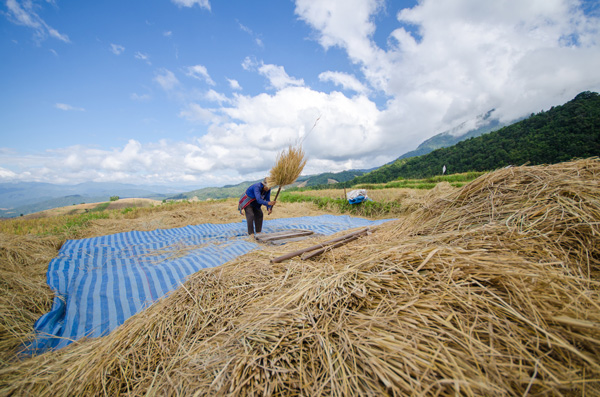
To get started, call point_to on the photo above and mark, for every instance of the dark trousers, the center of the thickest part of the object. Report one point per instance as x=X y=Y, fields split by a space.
x=254 y=218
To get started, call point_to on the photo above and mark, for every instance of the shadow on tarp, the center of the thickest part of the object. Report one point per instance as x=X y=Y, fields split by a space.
x=100 y=282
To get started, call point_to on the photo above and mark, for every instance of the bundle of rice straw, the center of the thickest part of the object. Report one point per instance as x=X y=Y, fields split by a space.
x=492 y=290
x=288 y=167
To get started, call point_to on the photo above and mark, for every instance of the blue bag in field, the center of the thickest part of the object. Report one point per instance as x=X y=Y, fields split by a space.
x=357 y=196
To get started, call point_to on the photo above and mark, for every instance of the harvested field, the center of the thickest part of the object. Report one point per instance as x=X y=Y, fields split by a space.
x=492 y=289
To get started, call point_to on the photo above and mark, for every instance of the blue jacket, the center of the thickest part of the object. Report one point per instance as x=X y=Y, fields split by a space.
x=256 y=192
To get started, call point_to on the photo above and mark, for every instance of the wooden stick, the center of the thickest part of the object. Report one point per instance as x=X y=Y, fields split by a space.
x=285 y=235
x=309 y=255
x=275 y=201
x=314 y=247
x=277 y=195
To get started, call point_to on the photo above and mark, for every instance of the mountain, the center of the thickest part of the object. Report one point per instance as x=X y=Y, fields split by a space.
x=49 y=204
x=328 y=178
x=481 y=125
x=28 y=197
x=560 y=134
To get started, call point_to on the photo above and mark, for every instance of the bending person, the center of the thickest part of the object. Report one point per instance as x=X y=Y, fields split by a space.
x=251 y=202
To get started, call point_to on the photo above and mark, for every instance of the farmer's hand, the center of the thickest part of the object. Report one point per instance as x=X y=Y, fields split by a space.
x=271 y=203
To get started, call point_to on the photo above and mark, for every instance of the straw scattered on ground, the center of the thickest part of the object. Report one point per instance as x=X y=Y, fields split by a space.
x=24 y=259
x=489 y=290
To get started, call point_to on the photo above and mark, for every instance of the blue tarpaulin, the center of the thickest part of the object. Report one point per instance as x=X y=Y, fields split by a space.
x=100 y=282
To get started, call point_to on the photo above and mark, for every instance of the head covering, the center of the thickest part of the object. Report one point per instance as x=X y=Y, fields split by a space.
x=265 y=183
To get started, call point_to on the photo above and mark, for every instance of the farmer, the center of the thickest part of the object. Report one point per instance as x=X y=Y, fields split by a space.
x=256 y=195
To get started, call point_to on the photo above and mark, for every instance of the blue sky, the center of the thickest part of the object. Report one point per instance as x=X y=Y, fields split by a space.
x=204 y=93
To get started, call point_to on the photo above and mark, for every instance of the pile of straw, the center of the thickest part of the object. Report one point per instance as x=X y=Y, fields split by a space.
x=491 y=290
x=24 y=294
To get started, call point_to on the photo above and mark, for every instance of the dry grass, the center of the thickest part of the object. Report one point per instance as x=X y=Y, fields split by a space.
x=288 y=167
x=24 y=294
x=490 y=290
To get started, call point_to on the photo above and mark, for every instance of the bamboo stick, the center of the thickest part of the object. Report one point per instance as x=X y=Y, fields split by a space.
x=314 y=247
x=297 y=233
x=329 y=247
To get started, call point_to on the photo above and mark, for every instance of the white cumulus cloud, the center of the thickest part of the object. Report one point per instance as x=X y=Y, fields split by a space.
x=199 y=72
x=278 y=78
x=166 y=79
x=234 y=84
x=346 y=81
x=275 y=74
x=452 y=60
x=191 y=3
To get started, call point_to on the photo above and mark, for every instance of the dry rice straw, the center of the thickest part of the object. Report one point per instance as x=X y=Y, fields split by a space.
x=492 y=290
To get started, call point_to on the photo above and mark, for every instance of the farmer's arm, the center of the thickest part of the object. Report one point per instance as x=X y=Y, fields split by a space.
x=259 y=200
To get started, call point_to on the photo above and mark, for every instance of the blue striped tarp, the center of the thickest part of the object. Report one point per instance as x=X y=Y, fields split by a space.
x=100 y=282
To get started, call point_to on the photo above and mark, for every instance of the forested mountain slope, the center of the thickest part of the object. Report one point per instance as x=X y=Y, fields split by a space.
x=559 y=134
x=483 y=124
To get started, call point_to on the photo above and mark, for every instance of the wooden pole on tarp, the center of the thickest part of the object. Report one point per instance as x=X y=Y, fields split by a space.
x=314 y=247
x=283 y=235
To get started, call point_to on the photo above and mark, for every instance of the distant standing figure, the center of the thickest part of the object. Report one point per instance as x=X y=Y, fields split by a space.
x=443 y=170
x=256 y=196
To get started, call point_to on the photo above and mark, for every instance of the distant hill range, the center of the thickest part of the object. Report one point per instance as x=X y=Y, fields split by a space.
x=28 y=197
x=560 y=134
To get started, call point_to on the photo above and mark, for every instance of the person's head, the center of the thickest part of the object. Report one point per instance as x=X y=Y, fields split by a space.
x=265 y=183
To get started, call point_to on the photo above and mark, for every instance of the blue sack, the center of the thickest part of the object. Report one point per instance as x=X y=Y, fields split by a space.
x=357 y=196
x=357 y=199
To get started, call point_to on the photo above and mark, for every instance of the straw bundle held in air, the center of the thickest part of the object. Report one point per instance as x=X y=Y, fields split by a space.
x=492 y=290
x=288 y=167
